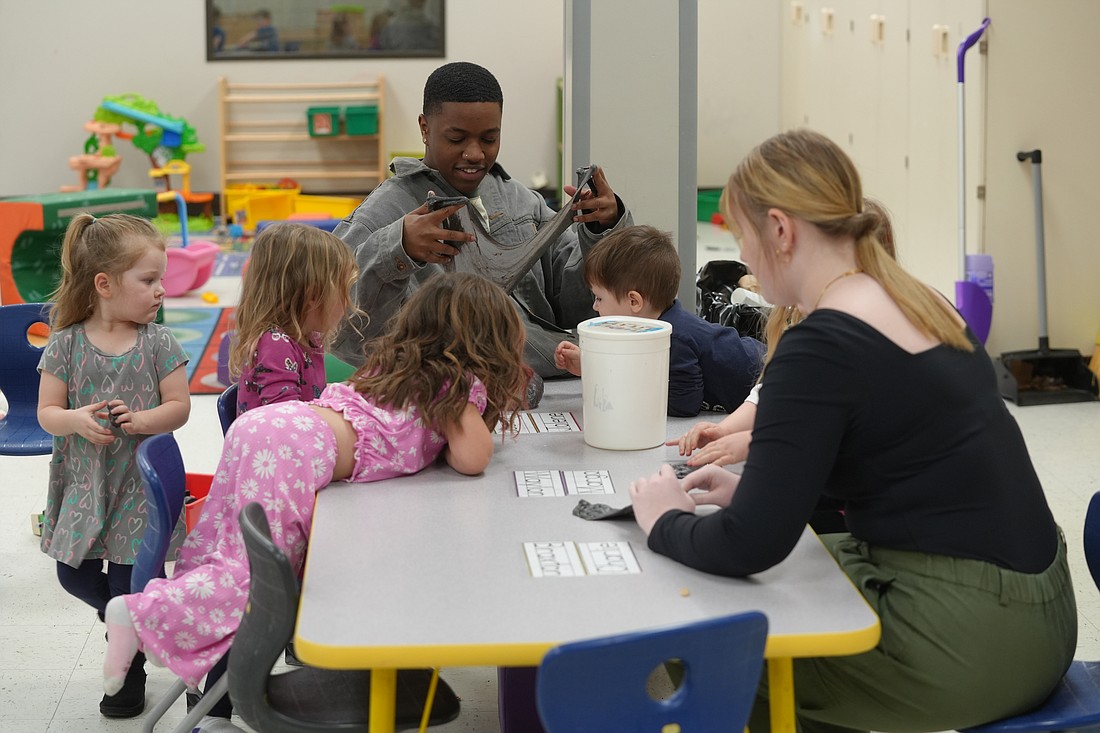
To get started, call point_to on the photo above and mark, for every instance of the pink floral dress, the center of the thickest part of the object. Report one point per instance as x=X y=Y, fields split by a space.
x=279 y=455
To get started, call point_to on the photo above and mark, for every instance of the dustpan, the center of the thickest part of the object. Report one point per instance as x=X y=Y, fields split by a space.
x=1043 y=376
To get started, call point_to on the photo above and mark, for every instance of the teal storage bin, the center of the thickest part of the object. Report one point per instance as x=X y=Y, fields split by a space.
x=707 y=203
x=361 y=120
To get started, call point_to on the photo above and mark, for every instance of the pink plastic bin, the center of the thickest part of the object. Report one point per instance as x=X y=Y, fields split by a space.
x=189 y=267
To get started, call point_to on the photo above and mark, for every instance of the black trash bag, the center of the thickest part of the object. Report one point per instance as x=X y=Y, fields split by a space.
x=714 y=286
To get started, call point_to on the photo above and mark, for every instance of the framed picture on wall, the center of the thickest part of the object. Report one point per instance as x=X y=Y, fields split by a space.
x=240 y=30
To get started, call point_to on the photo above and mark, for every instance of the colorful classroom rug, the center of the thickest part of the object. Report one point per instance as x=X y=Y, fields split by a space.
x=229 y=264
x=199 y=331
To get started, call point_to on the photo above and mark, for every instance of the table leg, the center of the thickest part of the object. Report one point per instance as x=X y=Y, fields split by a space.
x=383 y=700
x=781 y=694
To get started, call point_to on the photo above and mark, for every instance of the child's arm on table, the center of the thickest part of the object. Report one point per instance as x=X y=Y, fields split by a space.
x=56 y=418
x=469 y=442
x=567 y=356
x=705 y=433
x=731 y=448
x=171 y=413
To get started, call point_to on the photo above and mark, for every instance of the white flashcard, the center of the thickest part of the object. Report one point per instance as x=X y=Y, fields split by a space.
x=563 y=483
x=553 y=559
x=608 y=558
x=543 y=422
x=574 y=559
x=539 y=483
x=580 y=483
x=554 y=422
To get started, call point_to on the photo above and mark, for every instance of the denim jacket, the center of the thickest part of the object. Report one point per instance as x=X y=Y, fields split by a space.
x=552 y=296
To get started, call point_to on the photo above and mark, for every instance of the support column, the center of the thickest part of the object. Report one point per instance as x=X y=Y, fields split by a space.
x=630 y=97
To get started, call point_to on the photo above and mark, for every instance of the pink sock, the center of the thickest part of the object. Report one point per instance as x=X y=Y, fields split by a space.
x=122 y=645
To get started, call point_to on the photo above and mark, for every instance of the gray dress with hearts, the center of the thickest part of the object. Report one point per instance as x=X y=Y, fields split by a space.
x=95 y=505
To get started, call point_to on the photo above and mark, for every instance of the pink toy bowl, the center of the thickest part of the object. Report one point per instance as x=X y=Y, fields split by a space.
x=189 y=267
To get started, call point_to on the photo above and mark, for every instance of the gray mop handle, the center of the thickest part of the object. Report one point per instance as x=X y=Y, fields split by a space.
x=1036 y=158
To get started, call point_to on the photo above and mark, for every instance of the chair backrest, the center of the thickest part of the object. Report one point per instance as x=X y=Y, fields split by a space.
x=266 y=627
x=227 y=407
x=601 y=684
x=20 y=433
x=1092 y=538
x=161 y=466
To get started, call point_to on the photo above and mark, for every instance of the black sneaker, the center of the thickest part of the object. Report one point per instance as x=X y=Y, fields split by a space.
x=129 y=702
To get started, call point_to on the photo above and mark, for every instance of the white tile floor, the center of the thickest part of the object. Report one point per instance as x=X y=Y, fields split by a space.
x=51 y=646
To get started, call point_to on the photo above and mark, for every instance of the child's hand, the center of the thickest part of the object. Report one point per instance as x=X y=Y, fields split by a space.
x=124 y=418
x=732 y=448
x=568 y=357
x=700 y=434
x=87 y=423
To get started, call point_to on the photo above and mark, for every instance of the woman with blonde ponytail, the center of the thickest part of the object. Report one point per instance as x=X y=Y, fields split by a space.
x=881 y=398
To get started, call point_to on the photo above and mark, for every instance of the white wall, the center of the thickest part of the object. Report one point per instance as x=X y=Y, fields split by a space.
x=61 y=58
x=893 y=106
x=1043 y=93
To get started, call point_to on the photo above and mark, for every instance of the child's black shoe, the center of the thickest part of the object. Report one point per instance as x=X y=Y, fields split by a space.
x=129 y=702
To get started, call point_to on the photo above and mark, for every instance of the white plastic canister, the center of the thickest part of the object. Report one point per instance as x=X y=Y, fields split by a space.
x=624 y=381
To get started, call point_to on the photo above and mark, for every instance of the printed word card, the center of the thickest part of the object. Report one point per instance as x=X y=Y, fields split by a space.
x=574 y=559
x=563 y=483
x=543 y=422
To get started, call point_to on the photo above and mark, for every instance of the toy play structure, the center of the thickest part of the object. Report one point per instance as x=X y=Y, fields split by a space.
x=161 y=136
x=179 y=168
x=32 y=228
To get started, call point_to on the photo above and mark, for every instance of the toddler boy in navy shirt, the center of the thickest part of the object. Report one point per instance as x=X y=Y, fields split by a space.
x=636 y=272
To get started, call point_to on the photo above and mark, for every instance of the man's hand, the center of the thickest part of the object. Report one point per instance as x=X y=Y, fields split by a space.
x=425 y=239
x=601 y=208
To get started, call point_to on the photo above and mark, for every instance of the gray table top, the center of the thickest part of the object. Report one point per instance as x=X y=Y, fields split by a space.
x=431 y=569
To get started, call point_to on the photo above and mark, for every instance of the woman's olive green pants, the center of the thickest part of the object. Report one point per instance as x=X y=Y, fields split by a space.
x=963 y=642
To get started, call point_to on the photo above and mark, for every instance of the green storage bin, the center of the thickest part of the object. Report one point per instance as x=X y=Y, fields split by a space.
x=707 y=204
x=323 y=121
x=361 y=120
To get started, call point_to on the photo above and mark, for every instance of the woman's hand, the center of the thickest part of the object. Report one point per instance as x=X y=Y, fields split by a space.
x=600 y=208
x=699 y=435
x=732 y=448
x=713 y=485
x=656 y=495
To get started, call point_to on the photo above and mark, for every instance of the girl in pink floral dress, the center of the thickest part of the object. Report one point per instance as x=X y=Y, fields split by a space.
x=449 y=367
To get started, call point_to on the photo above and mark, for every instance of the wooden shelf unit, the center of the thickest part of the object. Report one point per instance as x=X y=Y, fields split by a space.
x=265 y=137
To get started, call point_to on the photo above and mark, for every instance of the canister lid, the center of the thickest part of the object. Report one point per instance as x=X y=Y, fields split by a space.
x=624 y=328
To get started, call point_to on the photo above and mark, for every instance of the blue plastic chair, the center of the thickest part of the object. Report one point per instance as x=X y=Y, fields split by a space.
x=1075 y=702
x=20 y=433
x=162 y=470
x=601 y=684
x=227 y=407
